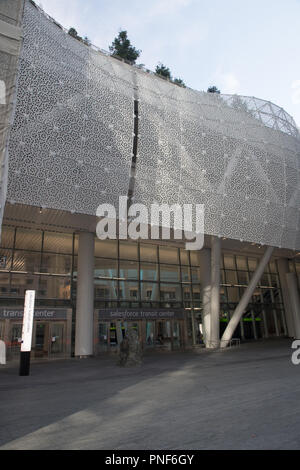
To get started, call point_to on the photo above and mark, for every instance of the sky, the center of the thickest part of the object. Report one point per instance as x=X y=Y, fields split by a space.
x=249 y=47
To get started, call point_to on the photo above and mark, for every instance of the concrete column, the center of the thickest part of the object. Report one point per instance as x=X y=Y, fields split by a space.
x=214 y=339
x=85 y=296
x=283 y=268
x=246 y=297
x=292 y=284
x=204 y=257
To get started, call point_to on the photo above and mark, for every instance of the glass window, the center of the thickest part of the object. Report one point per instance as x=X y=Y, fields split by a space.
x=229 y=262
x=252 y=263
x=106 y=248
x=184 y=256
x=196 y=296
x=58 y=242
x=56 y=264
x=150 y=291
x=185 y=274
x=277 y=296
x=169 y=292
x=168 y=255
x=241 y=291
x=256 y=297
x=195 y=272
x=264 y=280
x=169 y=273
x=149 y=272
x=274 y=280
x=128 y=251
x=29 y=239
x=241 y=263
x=27 y=261
x=54 y=287
x=223 y=295
x=272 y=267
x=243 y=277
x=7 y=237
x=187 y=296
x=105 y=268
x=106 y=290
x=187 y=293
x=194 y=258
x=196 y=293
x=129 y=290
x=4 y=284
x=129 y=270
x=5 y=260
x=233 y=294
x=148 y=253
x=231 y=277
x=21 y=282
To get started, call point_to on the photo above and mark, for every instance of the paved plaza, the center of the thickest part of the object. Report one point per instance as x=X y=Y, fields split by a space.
x=246 y=398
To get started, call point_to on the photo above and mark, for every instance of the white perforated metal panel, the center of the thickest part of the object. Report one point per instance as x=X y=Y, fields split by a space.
x=72 y=140
x=238 y=156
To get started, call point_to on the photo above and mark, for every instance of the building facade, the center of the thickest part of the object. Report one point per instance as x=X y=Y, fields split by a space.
x=157 y=287
x=89 y=128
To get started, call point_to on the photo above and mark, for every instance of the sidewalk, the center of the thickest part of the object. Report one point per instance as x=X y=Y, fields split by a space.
x=244 y=398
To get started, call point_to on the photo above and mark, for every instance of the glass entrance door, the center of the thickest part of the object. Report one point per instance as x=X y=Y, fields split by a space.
x=103 y=337
x=149 y=340
x=164 y=334
x=41 y=348
x=177 y=332
x=57 y=339
x=15 y=339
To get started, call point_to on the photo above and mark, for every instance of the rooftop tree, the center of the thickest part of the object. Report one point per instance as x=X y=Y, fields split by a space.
x=213 y=89
x=179 y=82
x=121 y=47
x=72 y=32
x=162 y=70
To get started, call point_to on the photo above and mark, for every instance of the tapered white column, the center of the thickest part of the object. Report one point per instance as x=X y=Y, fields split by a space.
x=204 y=257
x=227 y=335
x=85 y=296
x=214 y=338
x=294 y=301
x=283 y=269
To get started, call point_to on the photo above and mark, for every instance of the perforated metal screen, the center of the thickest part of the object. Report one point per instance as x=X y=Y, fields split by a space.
x=72 y=140
x=10 y=41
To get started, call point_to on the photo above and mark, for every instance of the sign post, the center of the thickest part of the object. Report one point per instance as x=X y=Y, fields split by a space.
x=27 y=332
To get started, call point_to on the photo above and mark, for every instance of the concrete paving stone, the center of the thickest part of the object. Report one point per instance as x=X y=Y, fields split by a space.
x=242 y=398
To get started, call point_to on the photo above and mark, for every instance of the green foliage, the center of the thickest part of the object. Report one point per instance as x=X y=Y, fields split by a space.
x=72 y=32
x=213 y=89
x=163 y=71
x=122 y=47
x=179 y=82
